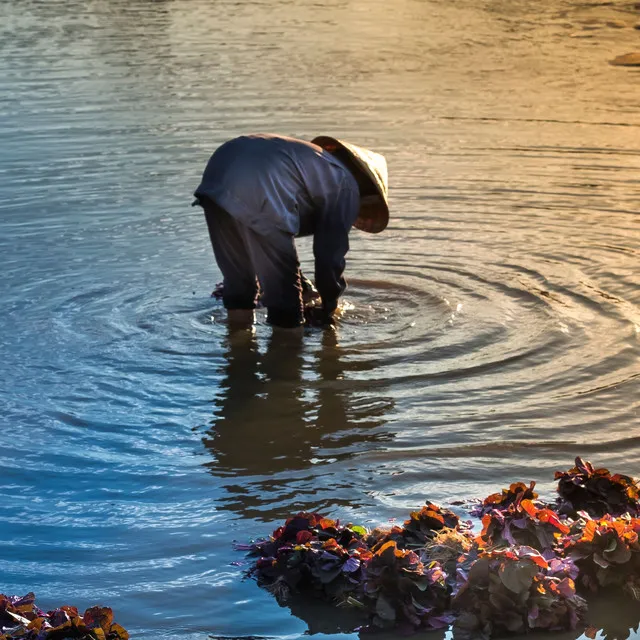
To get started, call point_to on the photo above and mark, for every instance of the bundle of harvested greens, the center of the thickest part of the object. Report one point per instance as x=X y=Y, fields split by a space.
x=515 y=590
x=607 y=552
x=596 y=491
x=522 y=571
x=20 y=618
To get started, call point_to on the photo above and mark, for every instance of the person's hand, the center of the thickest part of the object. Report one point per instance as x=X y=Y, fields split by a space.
x=309 y=292
x=318 y=316
x=218 y=291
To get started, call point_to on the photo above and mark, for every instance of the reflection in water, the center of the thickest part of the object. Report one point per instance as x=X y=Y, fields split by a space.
x=612 y=617
x=505 y=323
x=615 y=622
x=282 y=424
x=323 y=617
x=605 y=617
x=606 y=620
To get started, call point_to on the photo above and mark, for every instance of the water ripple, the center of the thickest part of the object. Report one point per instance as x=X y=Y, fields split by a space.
x=490 y=335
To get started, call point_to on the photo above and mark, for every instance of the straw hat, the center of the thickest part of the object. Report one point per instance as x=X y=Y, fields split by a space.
x=374 y=167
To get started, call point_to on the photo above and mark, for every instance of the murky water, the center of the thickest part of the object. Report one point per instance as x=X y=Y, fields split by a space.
x=495 y=328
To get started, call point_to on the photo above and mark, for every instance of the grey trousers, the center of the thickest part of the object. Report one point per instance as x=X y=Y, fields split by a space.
x=247 y=258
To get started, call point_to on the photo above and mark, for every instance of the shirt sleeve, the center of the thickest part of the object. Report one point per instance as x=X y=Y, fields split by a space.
x=335 y=217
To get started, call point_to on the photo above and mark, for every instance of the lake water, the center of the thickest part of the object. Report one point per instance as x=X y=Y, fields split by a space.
x=493 y=332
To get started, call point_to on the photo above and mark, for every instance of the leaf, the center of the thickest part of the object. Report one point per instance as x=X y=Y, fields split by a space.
x=17 y=617
x=330 y=575
x=36 y=624
x=303 y=536
x=513 y=621
x=633 y=589
x=98 y=617
x=529 y=508
x=567 y=588
x=384 y=609
x=533 y=555
x=619 y=554
x=351 y=565
x=386 y=553
x=352 y=602
x=518 y=576
x=422 y=583
x=479 y=571
x=118 y=633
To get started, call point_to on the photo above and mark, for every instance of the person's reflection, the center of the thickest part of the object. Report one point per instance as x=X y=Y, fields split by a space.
x=257 y=428
x=282 y=418
x=338 y=404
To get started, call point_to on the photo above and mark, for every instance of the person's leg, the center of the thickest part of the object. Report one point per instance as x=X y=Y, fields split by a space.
x=275 y=259
x=240 y=287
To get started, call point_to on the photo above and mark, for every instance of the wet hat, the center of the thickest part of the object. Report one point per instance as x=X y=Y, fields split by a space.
x=374 y=167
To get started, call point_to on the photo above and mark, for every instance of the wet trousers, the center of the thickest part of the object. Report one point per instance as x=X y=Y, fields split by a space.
x=251 y=263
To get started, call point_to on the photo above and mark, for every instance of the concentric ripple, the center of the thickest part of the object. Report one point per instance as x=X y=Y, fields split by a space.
x=491 y=334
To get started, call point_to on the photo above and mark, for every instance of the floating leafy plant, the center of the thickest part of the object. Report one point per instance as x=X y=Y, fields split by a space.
x=507 y=498
x=607 y=553
x=513 y=591
x=20 y=618
x=518 y=574
x=596 y=491
x=401 y=591
x=312 y=553
x=523 y=523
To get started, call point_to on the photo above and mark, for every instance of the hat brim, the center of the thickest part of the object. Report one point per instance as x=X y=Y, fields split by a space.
x=373 y=166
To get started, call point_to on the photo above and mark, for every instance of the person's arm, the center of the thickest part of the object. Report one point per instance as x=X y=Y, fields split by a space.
x=335 y=217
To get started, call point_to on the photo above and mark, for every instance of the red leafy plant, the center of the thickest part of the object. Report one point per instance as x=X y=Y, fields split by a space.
x=21 y=618
x=513 y=591
x=607 y=553
x=421 y=527
x=312 y=553
x=514 y=495
x=401 y=591
x=523 y=523
x=520 y=573
x=596 y=491
x=381 y=535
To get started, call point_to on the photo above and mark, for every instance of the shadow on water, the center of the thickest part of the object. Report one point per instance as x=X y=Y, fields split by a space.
x=285 y=424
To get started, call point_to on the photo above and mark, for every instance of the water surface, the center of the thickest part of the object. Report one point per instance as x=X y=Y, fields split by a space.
x=493 y=332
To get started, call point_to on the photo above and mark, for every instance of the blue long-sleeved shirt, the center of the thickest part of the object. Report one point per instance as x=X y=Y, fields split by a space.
x=266 y=181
